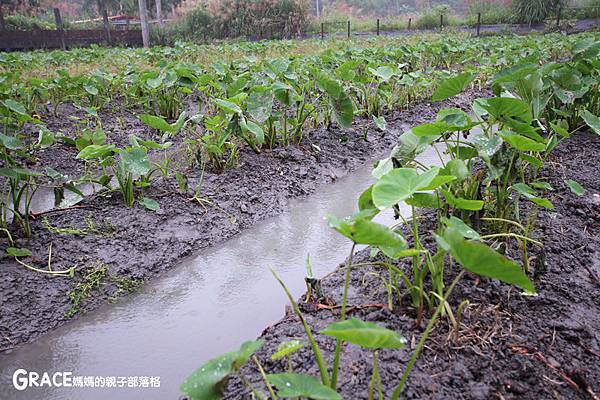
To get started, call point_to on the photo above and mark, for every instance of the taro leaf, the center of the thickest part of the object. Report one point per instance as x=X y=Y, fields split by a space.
x=95 y=151
x=385 y=73
x=399 y=184
x=456 y=118
x=286 y=349
x=16 y=173
x=228 y=106
x=536 y=162
x=424 y=200
x=18 y=252
x=487 y=147
x=257 y=131
x=259 y=104
x=591 y=120
x=480 y=259
x=10 y=142
x=283 y=92
x=365 y=201
x=411 y=145
x=455 y=168
x=300 y=385
x=436 y=129
x=463 y=152
x=438 y=181
x=361 y=230
x=135 y=161
x=380 y=123
x=151 y=144
x=383 y=167
x=177 y=125
x=15 y=106
x=343 y=110
x=561 y=130
x=520 y=142
x=365 y=334
x=575 y=187
x=507 y=108
x=150 y=204
x=459 y=225
x=209 y=381
x=154 y=83
x=452 y=86
x=462 y=204
x=45 y=138
x=91 y=89
x=530 y=194
x=155 y=122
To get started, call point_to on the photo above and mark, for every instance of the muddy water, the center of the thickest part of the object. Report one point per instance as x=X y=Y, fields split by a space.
x=206 y=306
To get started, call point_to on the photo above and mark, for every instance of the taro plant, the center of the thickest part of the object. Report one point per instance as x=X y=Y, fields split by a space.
x=130 y=166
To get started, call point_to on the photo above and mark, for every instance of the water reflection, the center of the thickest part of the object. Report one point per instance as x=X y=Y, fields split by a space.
x=206 y=306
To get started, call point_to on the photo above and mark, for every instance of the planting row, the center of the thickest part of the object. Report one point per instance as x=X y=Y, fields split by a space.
x=252 y=101
x=484 y=200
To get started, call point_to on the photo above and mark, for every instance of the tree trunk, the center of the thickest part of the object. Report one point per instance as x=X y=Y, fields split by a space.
x=159 y=13
x=144 y=21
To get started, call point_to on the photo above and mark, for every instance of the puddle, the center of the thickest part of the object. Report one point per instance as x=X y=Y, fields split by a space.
x=208 y=305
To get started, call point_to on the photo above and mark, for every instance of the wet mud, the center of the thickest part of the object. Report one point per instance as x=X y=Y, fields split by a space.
x=126 y=246
x=507 y=346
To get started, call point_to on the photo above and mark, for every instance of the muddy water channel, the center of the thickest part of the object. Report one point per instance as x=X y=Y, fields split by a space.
x=208 y=305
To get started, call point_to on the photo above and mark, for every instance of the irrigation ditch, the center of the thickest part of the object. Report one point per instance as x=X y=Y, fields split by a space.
x=143 y=245
x=505 y=345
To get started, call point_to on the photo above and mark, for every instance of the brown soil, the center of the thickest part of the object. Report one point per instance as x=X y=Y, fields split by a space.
x=137 y=244
x=508 y=346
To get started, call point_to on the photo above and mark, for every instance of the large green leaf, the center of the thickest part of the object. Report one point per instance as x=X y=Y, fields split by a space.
x=343 y=110
x=300 y=385
x=462 y=204
x=436 y=128
x=459 y=225
x=257 y=131
x=259 y=104
x=95 y=151
x=452 y=86
x=482 y=260
x=209 y=381
x=591 y=120
x=228 y=106
x=361 y=230
x=504 y=109
x=135 y=161
x=15 y=106
x=384 y=72
x=399 y=184
x=11 y=142
x=365 y=334
x=521 y=142
x=155 y=122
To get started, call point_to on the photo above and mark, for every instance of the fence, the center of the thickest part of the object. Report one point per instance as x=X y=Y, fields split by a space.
x=61 y=38
x=478 y=28
x=55 y=39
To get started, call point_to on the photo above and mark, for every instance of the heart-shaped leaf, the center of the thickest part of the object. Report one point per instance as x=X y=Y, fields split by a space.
x=365 y=334
x=209 y=381
x=300 y=385
x=452 y=86
x=399 y=184
x=480 y=259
